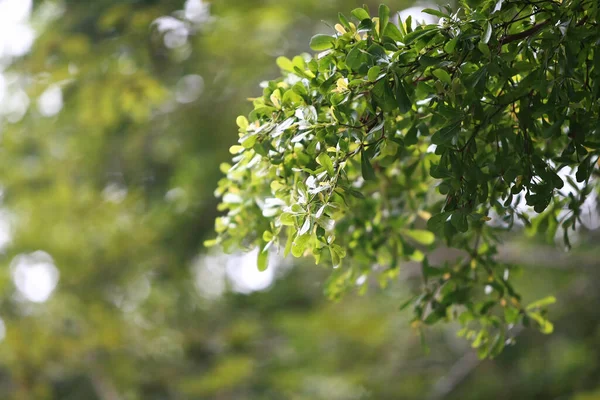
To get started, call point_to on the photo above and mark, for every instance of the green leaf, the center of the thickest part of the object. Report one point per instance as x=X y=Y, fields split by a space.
x=392 y=31
x=435 y=13
x=443 y=76
x=360 y=14
x=417 y=34
x=383 y=94
x=546 y=301
x=404 y=104
x=446 y=134
x=384 y=17
x=459 y=221
x=344 y=21
x=300 y=244
x=267 y=236
x=436 y=222
x=290 y=241
x=484 y=49
x=262 y=260
x=285 y=64
x=326 y=162
x=335 y=257
x=450 y=46
x=421 y=236
x=487 y=34
x=511 y=315
x=408 y=302
x=321 y=42
x=479 y=339
x=242 y=122
x=368 y=173
x=287 y=219
x=546 y=327
x=373 y=73
x=356 y=58
x=427 y=61
x=248 y=141
x=583 y=171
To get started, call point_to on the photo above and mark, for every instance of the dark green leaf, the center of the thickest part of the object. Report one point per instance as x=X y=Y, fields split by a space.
x=368 y=173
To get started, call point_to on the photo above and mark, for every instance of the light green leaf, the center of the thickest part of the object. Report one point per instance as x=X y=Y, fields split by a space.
x=285 y=64
x=299 y=245
x=344 y=21
x=546 y=301
x=435 y=13
x=248 y=141
x=262 y=260
x=267 y=236
x=546 y=327
x=443 y=76
x=360 y=14
x=242 y=122
x=287 y=219
x=420 y=236
x=487 y=34
x=326 y=162
x=374 y=73
x=384 y=17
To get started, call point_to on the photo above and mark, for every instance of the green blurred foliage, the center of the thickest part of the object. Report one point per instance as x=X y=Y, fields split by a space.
x=118 y=189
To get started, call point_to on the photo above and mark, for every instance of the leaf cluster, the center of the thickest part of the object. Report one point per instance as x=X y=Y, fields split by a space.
x=392 y=141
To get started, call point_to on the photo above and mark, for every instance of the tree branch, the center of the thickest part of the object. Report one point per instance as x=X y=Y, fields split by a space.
x=522 y=35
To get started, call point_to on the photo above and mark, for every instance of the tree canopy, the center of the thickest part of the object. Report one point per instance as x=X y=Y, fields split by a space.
x=391 y=141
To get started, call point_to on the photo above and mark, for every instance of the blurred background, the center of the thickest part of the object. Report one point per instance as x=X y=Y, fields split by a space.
x=114 y=118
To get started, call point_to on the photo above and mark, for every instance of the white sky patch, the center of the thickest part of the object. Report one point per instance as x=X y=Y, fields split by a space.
x=5 y=230
x=197 y=11
x=51 y=101
x=16 y=35
x=183 y=23
x=2 y=330
x=15 y=105
x=215 y=273
x=209 y=275
x=244 y=275
x=2 y=88
x=34 y=275
x=418 y=17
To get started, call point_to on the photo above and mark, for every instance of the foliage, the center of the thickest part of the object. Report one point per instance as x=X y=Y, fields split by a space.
x=391 y=141
x=116 y=190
